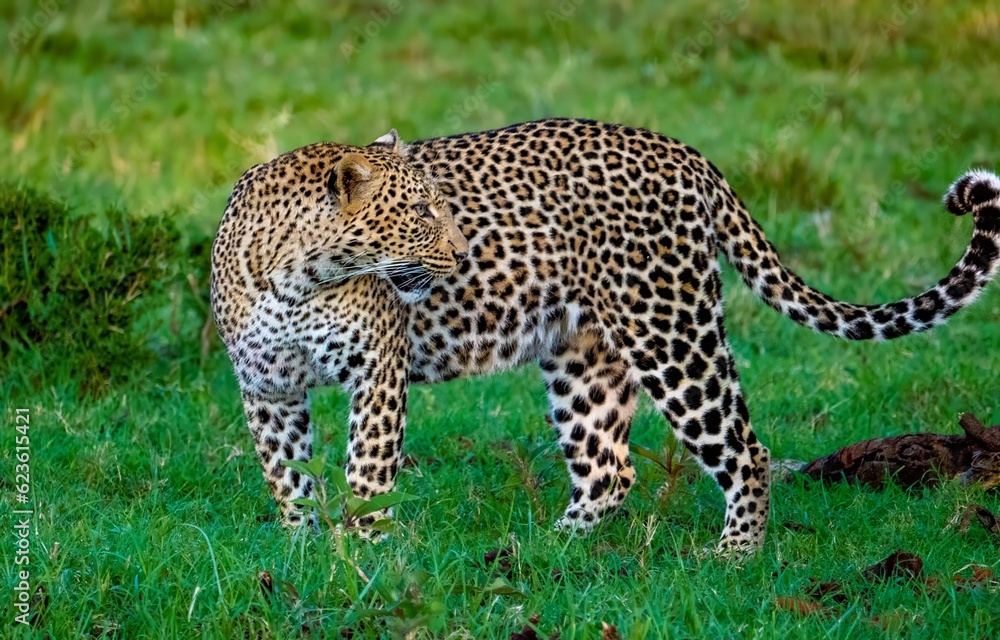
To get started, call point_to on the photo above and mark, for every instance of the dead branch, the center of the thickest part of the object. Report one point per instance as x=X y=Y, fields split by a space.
x=916 y=459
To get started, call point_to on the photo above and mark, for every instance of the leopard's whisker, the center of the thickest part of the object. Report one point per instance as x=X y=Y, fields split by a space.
x=380 y=268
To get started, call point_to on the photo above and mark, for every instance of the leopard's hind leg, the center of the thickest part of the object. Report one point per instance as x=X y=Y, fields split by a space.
x=692 y=380
x=592 y=397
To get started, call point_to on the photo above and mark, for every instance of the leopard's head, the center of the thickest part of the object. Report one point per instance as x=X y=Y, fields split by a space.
x=392 y=219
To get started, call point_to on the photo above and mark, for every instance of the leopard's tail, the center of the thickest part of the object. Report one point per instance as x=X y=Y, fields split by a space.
x=743 y=241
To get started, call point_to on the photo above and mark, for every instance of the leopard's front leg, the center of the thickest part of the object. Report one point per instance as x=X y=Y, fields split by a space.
x=377 y=423
x=281 y=430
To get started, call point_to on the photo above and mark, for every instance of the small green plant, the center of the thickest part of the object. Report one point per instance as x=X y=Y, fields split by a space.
x=529 y=462
x=402 y=597
x=338 y=509
x=406 y=608
x=335 y=504
x=672 y=459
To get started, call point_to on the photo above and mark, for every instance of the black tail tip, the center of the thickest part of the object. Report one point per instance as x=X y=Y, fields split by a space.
x=970 y=192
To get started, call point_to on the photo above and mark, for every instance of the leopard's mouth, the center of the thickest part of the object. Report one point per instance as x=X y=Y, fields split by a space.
x=413 y=278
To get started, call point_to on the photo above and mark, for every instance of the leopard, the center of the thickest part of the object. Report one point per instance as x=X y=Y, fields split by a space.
x=591 y=249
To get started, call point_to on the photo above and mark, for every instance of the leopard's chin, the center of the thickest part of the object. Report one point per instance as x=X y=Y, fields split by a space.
x=413 y=284
x=413 y=297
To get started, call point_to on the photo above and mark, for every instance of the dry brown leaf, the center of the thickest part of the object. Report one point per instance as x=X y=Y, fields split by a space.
x=986 y=518
x=529 y=632
x=266 y=583
x=980 y=576
x=291 y=593
x=832 y=590
x=499 y=559
x=800 y=607
x=901 y=564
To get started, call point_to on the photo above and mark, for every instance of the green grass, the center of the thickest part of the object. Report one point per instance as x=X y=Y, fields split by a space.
x=841 y=123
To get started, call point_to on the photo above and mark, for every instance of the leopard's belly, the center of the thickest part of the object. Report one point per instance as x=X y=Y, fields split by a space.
x=448 y=342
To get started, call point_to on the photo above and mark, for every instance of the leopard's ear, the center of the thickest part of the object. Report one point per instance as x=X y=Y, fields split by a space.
x=351 y=180
x=390 y=140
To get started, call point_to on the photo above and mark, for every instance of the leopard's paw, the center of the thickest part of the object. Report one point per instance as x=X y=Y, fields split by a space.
x=736 y=548
x=576 y=521
x=295 y=520
x=372 y=527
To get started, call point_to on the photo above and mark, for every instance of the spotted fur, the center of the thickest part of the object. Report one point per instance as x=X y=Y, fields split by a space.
x=592 y=251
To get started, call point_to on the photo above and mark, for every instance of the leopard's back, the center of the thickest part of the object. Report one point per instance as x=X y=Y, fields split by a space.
x=572 y=225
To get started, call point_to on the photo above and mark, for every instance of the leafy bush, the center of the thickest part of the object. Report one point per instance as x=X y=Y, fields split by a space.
x=71 y=292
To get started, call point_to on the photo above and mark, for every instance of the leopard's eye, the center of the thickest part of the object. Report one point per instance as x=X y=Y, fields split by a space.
x=423 y=210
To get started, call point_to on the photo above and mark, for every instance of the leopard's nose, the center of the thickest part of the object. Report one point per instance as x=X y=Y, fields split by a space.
x=460 y=255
